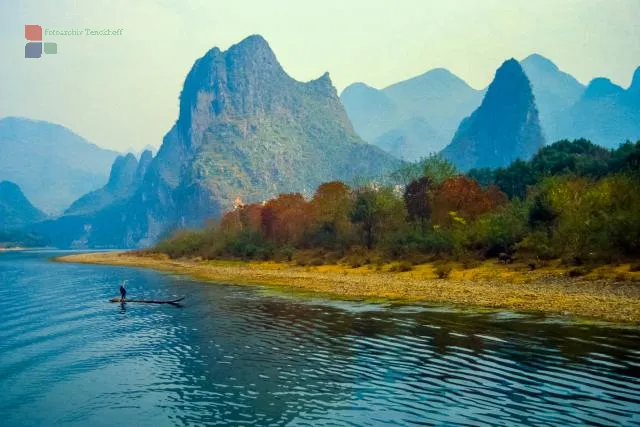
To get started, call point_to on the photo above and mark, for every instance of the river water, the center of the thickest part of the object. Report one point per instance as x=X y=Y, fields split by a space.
x=234 y=355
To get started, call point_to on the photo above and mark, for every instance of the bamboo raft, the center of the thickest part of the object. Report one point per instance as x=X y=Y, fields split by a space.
x=146 y=301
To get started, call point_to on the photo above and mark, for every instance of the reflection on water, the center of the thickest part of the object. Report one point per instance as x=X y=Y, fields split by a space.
x=237 y=355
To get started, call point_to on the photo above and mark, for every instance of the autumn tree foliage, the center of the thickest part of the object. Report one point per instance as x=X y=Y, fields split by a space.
x=572 y=200
x=251 y=217
x=286 y=218
x=463 y=197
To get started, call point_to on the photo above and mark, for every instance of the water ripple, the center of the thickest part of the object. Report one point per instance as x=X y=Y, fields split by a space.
x=236 y=356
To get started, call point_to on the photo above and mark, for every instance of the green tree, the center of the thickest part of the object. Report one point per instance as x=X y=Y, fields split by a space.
x=437 y=168
x=378 y=212
x=516 y=179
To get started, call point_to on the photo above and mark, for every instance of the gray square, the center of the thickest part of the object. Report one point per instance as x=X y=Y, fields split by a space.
x=33 y=50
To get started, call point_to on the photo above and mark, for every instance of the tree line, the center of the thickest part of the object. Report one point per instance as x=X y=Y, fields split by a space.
x=573 y=200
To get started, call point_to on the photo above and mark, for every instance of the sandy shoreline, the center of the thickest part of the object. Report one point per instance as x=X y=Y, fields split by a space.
x=549 y=290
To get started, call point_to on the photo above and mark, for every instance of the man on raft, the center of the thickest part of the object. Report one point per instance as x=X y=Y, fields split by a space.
x=123 y=291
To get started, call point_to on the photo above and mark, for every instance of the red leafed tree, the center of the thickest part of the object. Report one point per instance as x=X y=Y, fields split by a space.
x=251 y=217
x=464 y=196
x=285 y=219
x=230 y=223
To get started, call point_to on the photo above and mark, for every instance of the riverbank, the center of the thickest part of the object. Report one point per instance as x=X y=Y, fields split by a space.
x=609 y=293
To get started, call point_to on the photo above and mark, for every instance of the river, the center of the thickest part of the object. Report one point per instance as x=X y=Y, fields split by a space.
x=236 y=355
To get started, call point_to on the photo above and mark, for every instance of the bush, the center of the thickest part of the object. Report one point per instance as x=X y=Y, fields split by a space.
x=286 y=252
x=355 y=260
x=332 y=257
x=401 y=267
x=443 y=271
x=316 y=262
x=578 y=272
x=468 y=263
x=182 y=243
x=634 y=267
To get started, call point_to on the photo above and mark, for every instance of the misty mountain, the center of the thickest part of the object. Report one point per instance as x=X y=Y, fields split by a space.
x=407 y=140
x=435 y=102
x=554 y=90
x=505 y=127
x=15 y=209
x=125 y=178
x=412 y=118
x=52 y=165
x=606 y=114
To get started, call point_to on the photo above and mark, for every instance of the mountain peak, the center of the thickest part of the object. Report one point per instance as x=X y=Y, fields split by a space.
x=123 y=172
x=254 y=41
x=510 y=83
x=245 y=79
x=324 y=84
x=601 y=87
x=357 y=87
x=424 y=82
x=511 y=65
x=539 y=61
x=255 y=51
x=505 y=127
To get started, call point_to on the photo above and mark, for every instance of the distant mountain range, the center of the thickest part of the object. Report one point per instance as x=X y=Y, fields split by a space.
x=605 y=113
x=52 y=165
x=416 y=117
x=246 y=130
x=412 y=118
x=505 y=127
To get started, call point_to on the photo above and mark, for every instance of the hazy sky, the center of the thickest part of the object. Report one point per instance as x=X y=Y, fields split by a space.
x=122 y=91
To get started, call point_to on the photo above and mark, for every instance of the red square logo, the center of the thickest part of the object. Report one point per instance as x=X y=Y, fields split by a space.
x=33 y=32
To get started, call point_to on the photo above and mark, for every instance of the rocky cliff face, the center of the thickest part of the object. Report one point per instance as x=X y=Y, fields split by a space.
x=245 y=130
x=248 y=130
x=505 y=127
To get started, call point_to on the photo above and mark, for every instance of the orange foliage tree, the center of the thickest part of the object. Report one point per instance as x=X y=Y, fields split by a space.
x=465 y=197
x=285 y=220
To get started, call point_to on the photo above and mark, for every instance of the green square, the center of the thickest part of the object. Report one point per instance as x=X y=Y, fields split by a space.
x=51 y=48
